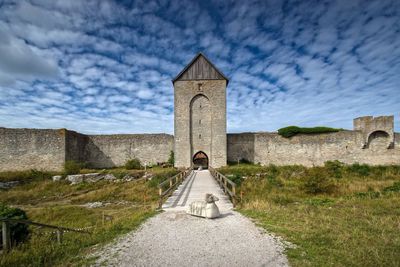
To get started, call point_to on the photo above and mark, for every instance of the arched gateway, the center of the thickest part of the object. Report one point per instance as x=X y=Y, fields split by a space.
x=200 y=115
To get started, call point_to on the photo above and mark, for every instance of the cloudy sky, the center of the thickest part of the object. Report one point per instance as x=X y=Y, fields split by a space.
x=106 y=66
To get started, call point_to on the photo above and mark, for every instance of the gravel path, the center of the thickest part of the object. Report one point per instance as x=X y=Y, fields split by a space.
x=174 y=238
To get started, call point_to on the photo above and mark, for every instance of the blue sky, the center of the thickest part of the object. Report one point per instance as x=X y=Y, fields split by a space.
x=106 y=66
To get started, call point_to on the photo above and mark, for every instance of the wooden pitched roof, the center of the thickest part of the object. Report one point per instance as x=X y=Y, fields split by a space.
x=200 y=68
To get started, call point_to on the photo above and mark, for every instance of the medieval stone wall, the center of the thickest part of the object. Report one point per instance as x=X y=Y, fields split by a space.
x=312 y=150
x=24 y=149
x=105 y=151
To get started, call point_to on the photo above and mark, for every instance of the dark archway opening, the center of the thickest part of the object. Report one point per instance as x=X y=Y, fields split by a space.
x=200 y=159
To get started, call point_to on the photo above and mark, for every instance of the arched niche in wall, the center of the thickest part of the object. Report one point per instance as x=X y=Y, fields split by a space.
x=378 y=140
x=200 y=124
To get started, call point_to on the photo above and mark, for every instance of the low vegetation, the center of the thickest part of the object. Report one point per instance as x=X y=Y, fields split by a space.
x=126 y=204
x=133 y=164
x=293 y=130
x=73 y=167
x=335 y=215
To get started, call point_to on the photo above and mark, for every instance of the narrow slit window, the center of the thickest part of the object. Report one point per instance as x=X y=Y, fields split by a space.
x=199 y=136
x=199 y=122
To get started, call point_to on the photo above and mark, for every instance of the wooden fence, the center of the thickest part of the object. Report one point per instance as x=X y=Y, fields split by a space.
x=6 y=234
x=168 y=186
x=227 y=185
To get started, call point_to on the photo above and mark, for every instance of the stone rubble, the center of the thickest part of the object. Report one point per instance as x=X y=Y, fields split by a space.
x=8 y=185
x=95 y=177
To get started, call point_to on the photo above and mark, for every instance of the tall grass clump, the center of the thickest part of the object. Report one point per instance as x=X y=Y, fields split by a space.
x=73 y=167
x=316 y=181
x=133 y=164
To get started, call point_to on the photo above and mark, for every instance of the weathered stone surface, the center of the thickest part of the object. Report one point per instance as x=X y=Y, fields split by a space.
x=75 y=179
x=311 y=150
x=8 y=185
x=57 y=178
x=93 y=177
x=92 y=205
x=25 y=149
x=200 y=121
x=109 y=176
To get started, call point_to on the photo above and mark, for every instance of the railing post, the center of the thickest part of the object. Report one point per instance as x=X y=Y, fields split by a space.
x=234 y=195
x=6 y=236
x=170 y=183
x=225 y=186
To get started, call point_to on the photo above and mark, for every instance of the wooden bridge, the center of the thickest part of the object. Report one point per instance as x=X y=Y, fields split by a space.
x=195 y=184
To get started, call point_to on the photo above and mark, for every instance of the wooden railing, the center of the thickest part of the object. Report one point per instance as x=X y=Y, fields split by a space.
x=6 y=234
x=227 y=185
x=168 y=186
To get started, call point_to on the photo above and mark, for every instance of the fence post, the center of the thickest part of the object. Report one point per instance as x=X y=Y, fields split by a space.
x=225 y=186
x=234 y=195
x=6 y=236
x=59 y=236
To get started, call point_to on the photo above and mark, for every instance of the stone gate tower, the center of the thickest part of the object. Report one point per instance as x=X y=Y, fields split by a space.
x=200 y=115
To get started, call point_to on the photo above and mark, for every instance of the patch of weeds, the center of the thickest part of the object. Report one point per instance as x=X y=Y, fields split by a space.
x=316 y=182
x=133 y=164
x=237 y=179
x=368 y=195
x=73 y=167
x=359 y=169
x=393 y=188
x=283 y=199
x=335 y=168
x=319 y=201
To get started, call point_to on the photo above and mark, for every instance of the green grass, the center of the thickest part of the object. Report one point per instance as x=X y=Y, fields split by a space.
x=59 y=203
x=293 y=130
x=356 y=223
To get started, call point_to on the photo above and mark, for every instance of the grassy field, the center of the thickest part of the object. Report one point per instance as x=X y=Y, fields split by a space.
x=334 y=215
x=62 y=204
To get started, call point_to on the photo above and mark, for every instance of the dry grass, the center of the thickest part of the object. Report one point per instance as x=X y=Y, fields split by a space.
x=356 y=224
x=59 y=203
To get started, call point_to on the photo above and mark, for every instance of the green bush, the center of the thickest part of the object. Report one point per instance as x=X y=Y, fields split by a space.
x=133 y=164
x=317 y=182
x=73 y=167
x=19 y=232
x=171 y=159
x=335 y=168
x=393 y=188
x=237 y=179
x=360 y=169
x=293 y=130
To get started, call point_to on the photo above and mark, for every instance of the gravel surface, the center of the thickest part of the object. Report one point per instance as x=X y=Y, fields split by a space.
x=178 y=239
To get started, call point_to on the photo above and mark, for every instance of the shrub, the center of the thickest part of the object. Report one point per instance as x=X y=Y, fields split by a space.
x=133 y=164
x=334 y=168
x=237 y=179
x=73 y=167
x=316 y=182
x=360 y=169
x=393 y=188
x=171 y=159
x=19 y=232
x=293 y=130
